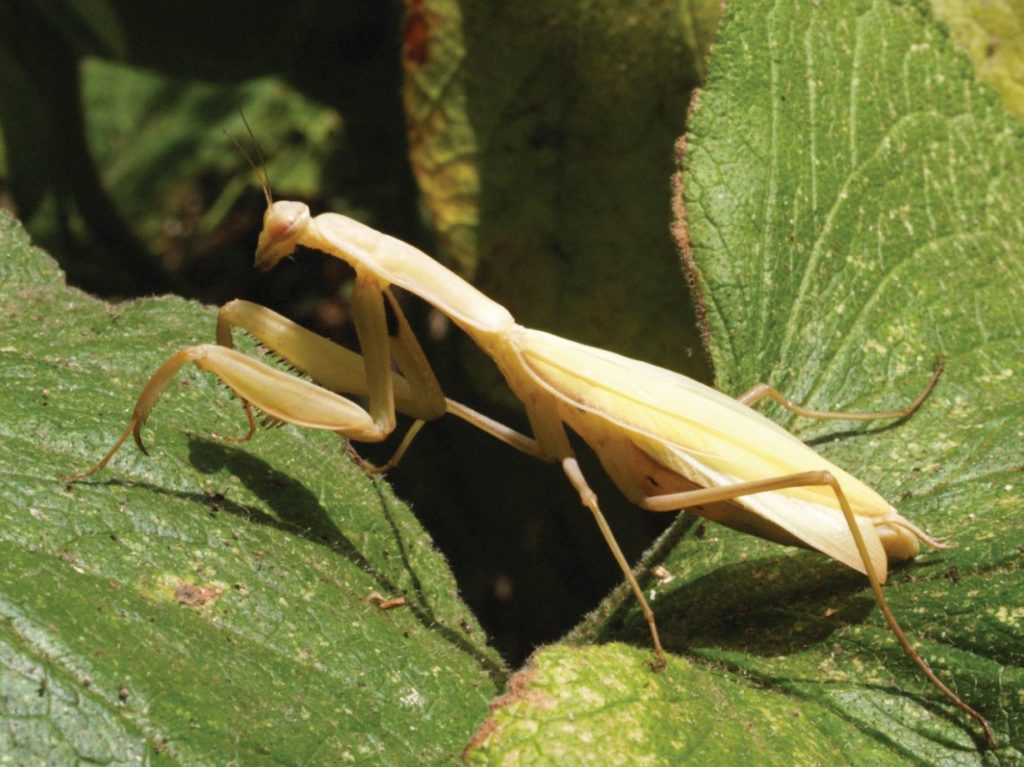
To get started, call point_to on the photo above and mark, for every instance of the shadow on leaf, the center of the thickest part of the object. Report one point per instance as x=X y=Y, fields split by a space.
x=767 y=607
x=294 y=510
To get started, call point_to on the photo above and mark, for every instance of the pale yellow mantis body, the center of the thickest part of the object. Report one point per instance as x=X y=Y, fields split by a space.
x=668 y=442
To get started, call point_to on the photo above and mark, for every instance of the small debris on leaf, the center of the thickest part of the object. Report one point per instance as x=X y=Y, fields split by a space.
x=662 y=575
x=385 y=603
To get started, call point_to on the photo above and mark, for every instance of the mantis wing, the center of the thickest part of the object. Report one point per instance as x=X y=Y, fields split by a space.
x=711 y=440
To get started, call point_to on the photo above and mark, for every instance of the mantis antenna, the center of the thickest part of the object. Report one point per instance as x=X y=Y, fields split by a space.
x=260 y=168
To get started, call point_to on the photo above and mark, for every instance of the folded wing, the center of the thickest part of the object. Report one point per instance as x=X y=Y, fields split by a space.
x=710 y=439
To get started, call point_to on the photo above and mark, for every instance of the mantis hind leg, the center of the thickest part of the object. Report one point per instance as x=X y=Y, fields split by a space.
x=816 y=479
x=759 y=391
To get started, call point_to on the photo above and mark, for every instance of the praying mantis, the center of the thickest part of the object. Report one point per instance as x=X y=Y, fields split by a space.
x=668 y=442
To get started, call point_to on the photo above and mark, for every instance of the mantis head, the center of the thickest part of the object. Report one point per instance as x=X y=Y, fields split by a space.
x=284 y=223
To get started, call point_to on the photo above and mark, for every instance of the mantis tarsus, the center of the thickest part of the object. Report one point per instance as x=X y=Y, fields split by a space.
x=667 y=442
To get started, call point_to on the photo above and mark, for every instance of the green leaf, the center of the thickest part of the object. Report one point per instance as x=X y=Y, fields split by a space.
x=210 y=604
x=992 y=34
x=603 y=705
x=851 y=201
x=541 y=137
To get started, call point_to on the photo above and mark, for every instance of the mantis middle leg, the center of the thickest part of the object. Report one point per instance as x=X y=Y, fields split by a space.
x=589 y=499
x=758 y=392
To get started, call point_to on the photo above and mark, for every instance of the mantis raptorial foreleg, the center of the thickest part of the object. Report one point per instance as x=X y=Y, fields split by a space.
x=416 y=391
x=343 y=370
x=336 y=370
x=281 y=396
x=384 y=332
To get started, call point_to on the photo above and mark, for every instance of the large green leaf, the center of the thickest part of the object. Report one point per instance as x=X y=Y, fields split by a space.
x=210 y=604
x=850 y=207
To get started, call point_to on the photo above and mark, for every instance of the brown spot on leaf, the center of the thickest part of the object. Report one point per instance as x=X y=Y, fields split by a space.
x=194 y=595
x=518 y=692
x=681 y=233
